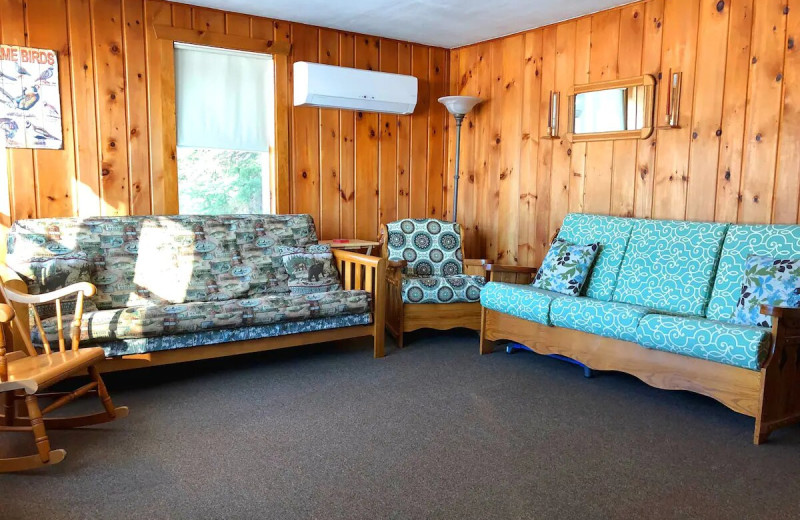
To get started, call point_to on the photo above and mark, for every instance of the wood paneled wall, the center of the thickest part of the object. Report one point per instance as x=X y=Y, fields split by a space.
x=735 y=158
x=349 y=170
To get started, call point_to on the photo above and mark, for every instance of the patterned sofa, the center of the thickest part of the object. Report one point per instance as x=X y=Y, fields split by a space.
x=658 y=304
x=165 y=283
x=429 y=283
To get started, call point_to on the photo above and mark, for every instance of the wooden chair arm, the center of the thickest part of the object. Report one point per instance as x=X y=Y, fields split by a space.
x=11 y=278
x=476 y=267
x=371 y=278
x=6 y=313
x=792 y=313
x=396 y=264
x=86 y=288
x=482 y=262
x=519 y=269
x=341 y=255
x=510 y=273
x=785 y=332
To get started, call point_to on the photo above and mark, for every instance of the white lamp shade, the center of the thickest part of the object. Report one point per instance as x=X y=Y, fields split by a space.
x=459 y=104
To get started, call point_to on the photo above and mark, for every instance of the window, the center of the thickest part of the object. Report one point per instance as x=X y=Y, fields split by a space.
x=225 y=122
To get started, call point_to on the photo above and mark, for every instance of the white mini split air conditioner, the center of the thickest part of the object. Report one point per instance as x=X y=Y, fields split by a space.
x=327 y=86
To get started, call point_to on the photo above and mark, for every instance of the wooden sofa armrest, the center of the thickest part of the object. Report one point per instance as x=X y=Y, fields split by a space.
x=791 y=313
x=785 y=331
x=510 y=273
x=368 y=273
x=361 y=272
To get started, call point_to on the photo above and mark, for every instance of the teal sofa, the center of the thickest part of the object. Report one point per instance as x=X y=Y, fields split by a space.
x=658 y=304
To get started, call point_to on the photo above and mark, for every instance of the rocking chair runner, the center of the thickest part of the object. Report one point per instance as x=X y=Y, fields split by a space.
x=24 y=374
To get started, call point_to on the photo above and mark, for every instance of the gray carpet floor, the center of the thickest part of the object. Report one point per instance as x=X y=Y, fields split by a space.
x=432 y=431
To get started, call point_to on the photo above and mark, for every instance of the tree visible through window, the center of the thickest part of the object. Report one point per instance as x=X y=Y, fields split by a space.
x=216 y=182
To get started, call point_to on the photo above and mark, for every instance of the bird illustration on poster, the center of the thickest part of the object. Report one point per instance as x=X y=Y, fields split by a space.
x=30 y=100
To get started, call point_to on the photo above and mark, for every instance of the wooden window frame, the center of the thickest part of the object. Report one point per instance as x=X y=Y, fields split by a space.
x=165 y=166
x=647 y=81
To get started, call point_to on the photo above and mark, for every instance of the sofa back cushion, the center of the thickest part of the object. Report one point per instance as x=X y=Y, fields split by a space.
x=431 y=247
x=148 y=260
x=612 y=234
x=670 y=265
x=742 y=241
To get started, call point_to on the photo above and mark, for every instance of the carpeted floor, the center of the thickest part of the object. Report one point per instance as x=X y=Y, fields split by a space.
x=432 y=431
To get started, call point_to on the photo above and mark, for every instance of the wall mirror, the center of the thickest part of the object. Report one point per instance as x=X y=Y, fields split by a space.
x=618 y=109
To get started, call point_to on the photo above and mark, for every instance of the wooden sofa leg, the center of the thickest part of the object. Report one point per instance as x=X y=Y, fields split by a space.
x=378 y=341
x=486 y=345
x=761 y=434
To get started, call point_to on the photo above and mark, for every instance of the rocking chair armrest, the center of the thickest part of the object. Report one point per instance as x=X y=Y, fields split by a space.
x=86 y=288
x=10 y=276
x=6 y=313
x=396 y=264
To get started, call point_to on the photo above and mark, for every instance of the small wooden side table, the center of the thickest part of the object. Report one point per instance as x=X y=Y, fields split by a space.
x=351 y=244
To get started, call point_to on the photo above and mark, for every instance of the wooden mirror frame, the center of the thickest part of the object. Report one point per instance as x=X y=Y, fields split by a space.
x=647 y=81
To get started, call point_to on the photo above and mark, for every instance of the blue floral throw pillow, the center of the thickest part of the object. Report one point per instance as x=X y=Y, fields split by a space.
x=566 y=267
x=767 y=281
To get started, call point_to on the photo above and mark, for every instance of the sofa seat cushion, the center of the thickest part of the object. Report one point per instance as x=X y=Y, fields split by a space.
x=123 y=347
x=157 y=320
x=610 y=319
x=737 y=345
x=459 y=288
x=742 y=241
x=612 y=234
x=670 y=265
x=522 y=301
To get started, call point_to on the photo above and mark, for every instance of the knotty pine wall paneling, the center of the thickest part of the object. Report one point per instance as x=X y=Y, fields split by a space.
x=735 y=157
x=350 y=170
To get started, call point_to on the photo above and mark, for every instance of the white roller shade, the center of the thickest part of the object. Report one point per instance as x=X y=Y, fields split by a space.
x=223 y=98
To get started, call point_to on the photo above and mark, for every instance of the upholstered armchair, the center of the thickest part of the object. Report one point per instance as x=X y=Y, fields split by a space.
x=429 y=284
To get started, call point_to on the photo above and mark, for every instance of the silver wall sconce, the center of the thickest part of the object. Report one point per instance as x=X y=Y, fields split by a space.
x=674 y=100
x=552 y=115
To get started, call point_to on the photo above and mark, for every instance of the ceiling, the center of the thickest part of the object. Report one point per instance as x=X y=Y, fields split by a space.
x=443 y=23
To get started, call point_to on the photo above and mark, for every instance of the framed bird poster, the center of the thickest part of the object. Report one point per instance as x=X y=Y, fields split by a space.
x=30 y=101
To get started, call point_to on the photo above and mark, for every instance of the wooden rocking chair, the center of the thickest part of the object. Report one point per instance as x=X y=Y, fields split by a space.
x=24 y=374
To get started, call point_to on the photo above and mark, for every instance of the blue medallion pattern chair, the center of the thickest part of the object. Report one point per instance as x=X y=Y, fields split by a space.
x=429 y=283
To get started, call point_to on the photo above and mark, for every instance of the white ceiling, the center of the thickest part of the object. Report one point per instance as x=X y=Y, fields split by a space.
x=443 y=23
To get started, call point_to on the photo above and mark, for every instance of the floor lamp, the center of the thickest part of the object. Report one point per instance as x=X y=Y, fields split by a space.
x=459 y=106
